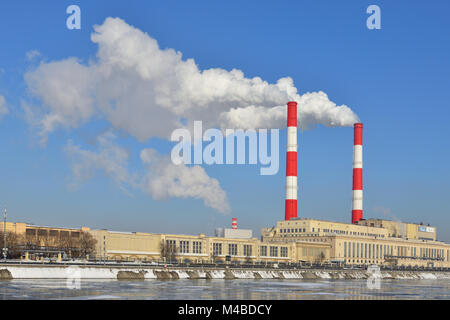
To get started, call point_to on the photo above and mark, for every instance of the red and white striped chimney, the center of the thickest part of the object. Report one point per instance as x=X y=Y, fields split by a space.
x=234 y=223
x=357 y=203
x=291 y=162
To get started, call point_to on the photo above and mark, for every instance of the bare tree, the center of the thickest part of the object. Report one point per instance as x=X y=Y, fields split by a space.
x=87 y=244
x=67 y=244
x=14 y=243
x=168 y=251
x=321 y=257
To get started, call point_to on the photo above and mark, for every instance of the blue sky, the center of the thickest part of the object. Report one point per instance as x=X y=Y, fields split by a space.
x=395 y=79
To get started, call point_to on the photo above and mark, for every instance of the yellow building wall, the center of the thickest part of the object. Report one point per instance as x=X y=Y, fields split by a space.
x=143 y=246
x=16 y=227
x=312 y=252
x=299 y=227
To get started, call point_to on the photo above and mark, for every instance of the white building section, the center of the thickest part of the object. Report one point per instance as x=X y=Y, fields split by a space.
x=234 y=233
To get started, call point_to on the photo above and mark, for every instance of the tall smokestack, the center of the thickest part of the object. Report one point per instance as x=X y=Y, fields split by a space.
x=234 y=223
x=357 y=203
x=291 y=162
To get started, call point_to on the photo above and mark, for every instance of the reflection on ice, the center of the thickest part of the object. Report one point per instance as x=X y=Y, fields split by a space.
x=262 y=289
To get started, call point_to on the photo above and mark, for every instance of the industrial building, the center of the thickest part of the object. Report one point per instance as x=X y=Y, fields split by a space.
x=361 y=242
x=292 y=240
x=41 y=233
x=227 y=245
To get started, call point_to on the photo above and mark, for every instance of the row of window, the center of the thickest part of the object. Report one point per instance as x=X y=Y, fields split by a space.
x=377 y=251
x=354 y=233
x=432 y=253
x=299 y=230
x=232 y=249
x=366 y=250
x=185 y=246
x=273 y=251
x=296 y=230
x=51 y=233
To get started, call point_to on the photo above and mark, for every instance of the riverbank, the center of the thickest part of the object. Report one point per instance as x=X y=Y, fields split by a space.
x=9 y=272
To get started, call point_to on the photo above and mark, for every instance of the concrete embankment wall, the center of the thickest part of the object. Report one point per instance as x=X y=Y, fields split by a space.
x=136 y=273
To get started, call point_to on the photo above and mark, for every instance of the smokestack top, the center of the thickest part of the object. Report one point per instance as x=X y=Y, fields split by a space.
x=292 y=114
x=358 y=139
x=234 y=223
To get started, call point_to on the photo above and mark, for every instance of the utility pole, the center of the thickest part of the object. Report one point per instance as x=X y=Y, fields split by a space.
x=5 y=249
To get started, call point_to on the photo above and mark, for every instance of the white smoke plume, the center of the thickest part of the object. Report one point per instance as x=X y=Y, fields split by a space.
x=164 y=179
x=161 y=179
x=148 y=92
x=109 y=158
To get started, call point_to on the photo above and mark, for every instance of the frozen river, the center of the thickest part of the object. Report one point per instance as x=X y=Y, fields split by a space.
x=225 y=289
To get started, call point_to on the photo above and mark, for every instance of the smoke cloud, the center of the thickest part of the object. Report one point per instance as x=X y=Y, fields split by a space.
x=161 y=179
x=164 y=179
x=148 y=92
x=108 y=158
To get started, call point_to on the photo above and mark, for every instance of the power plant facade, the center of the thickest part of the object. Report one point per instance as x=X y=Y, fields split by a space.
x=293 y=240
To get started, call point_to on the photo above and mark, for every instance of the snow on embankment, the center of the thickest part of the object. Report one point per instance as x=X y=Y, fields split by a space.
x=32 y=272
x=291 y=275
x=138 y=273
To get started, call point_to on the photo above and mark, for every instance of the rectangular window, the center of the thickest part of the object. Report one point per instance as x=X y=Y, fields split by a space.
x=54 y=233
x=171 y=245
x=263 y=250
x=75 y=234
x=283 y=251
x=345 y=249
x=274 y=251
x=184 y=246
x=217 y=249
x=247 y=250
x=31 y=232
x=196 y=247
x=232 y=249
